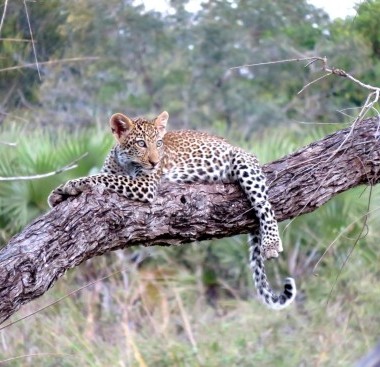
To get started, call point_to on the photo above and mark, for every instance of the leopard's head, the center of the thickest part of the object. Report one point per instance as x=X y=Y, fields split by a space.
x=139 y=140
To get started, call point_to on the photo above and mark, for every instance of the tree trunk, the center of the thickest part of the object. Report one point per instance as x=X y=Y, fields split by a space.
x=98 y=222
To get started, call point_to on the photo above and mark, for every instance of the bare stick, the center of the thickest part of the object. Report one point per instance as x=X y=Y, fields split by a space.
x=3 y=16
x=31 y=37
x=8 y=144
x=359 y=237
x=364 y=216
x=37 y=355
x=68 y=167
x=51 y=62
x=8 y=39
x=325 y=67
x=271 y=62
x=312 y=82
x=13 y=116
x=51 y=304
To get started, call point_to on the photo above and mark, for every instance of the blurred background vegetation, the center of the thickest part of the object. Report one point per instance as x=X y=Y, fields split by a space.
x=193 y=305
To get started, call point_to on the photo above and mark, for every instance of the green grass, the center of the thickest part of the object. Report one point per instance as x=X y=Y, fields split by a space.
x=39 y=151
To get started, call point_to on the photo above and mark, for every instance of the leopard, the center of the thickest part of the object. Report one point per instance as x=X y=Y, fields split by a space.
x=146 y=154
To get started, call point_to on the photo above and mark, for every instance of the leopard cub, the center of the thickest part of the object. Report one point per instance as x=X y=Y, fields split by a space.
x=145 y=154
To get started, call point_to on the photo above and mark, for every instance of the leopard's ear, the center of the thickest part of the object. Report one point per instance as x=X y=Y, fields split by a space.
x=121 y=125
x=161 y=121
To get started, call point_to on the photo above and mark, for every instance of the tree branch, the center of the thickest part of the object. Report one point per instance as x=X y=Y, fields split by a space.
x=95 y=222
x=71 y=165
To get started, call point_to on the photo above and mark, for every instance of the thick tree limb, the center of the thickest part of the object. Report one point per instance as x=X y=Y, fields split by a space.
x=95 y=223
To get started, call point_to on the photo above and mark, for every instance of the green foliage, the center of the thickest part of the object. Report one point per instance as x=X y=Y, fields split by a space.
x=181 y=62
x=367 y=23
x=16 y=48
x=38 y=152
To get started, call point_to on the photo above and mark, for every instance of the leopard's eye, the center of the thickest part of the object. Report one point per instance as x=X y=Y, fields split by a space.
x=141 y=143
x=159 y=143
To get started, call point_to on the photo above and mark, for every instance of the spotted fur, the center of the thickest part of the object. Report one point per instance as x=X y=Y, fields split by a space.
x=145 y=154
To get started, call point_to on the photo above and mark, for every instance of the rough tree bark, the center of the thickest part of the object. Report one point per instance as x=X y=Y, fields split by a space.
x=96 y=222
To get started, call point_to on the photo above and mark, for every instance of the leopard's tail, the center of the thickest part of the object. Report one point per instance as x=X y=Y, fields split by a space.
x=264 y=290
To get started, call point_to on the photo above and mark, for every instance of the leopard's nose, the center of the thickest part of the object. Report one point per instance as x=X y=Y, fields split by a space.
x=153 y=163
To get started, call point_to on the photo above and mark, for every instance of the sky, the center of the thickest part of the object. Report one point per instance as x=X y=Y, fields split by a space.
x=335 y=8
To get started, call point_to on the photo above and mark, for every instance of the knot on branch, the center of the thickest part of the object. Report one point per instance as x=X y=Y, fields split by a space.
x=339 y=72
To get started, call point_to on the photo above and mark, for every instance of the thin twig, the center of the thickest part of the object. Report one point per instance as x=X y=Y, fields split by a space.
x=346 y=109
x=68 y=167
x=31 y=37
x=319 y=123
x=62 y=298
x=313 y=59
x=13 y=116
x=377 y=112
x=16 y=40
x=3 y=16
x=185 y=319
x=312 y=82
x=366 y=107
x=8 y=143
x=344 y=74
x=311 y=62
x=359 y=237
x=50 y=62
x=341 y=234
x=272 y=62
x=37 y=355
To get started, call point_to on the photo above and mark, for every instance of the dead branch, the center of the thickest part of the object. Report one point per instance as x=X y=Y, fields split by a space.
x=95 y=223
x=374 y=92
x=372 y=98
x=50 y=62
x=32 y=39
x=9 y=144
x=68 y=167
x=3 y=15
x=22 y=40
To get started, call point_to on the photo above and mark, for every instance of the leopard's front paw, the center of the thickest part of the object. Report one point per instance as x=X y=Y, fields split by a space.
x=56 y=196
x=64 y=191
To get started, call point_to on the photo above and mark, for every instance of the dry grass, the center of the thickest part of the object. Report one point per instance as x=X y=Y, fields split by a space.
x=159 y=316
